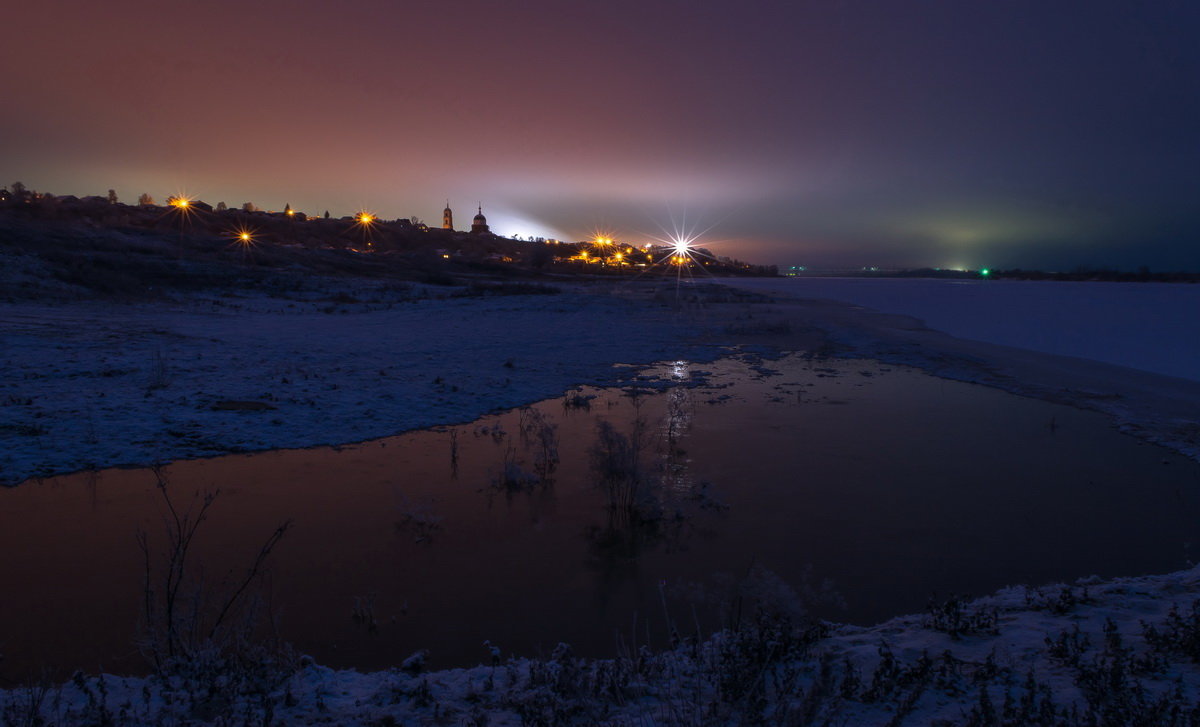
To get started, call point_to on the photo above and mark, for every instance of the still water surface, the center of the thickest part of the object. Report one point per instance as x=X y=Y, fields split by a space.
x=889 y=483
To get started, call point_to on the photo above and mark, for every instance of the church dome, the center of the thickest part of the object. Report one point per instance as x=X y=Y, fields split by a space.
x=479 y=224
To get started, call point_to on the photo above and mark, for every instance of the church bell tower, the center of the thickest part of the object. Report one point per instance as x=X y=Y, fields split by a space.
x=447 y=217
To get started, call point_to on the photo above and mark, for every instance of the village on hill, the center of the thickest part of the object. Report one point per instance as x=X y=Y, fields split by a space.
x=247 y=228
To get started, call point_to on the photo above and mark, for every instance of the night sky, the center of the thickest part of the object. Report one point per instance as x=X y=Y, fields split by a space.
x=945 y=133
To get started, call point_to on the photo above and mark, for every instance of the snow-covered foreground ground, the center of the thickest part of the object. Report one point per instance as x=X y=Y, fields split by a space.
x=1149 y=326
x=96 y=385
x=100 y=385
x=1124 y=652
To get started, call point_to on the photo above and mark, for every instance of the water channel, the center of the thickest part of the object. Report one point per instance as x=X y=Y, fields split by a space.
x=882 y=482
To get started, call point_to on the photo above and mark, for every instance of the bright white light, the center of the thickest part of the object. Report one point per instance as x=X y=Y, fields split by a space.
x=517 y=224
x=678 y=247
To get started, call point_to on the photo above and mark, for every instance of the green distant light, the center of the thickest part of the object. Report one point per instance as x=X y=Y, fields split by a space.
x=985 y=272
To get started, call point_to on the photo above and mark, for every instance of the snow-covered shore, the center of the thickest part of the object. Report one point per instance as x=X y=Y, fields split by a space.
x=1117 y=652
x=1015 y=344
x=91 y=385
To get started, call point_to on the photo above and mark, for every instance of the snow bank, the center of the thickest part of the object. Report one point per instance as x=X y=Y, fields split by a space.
x=96 y=385
x=1117 y=652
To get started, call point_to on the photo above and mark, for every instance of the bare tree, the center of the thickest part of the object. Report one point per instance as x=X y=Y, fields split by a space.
x=145 y=200
x=112 y=196
x=221 y=207
x=181 y=618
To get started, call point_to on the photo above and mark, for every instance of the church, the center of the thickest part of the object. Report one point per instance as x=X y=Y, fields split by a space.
x=479 y=225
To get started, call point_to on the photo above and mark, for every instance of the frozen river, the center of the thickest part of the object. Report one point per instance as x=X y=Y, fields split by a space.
x=1154 y=327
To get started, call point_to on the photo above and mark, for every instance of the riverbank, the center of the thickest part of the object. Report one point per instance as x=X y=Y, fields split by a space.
x=91 y=385
x=95 y=384
x=1072 y=348
x=1093 y=651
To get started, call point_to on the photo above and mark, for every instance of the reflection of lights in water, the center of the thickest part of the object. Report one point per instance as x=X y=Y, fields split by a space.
x=676 y=475
x=677 y=478
x=679 y=413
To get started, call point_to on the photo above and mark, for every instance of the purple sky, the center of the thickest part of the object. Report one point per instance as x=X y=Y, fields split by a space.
x=832 y=133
